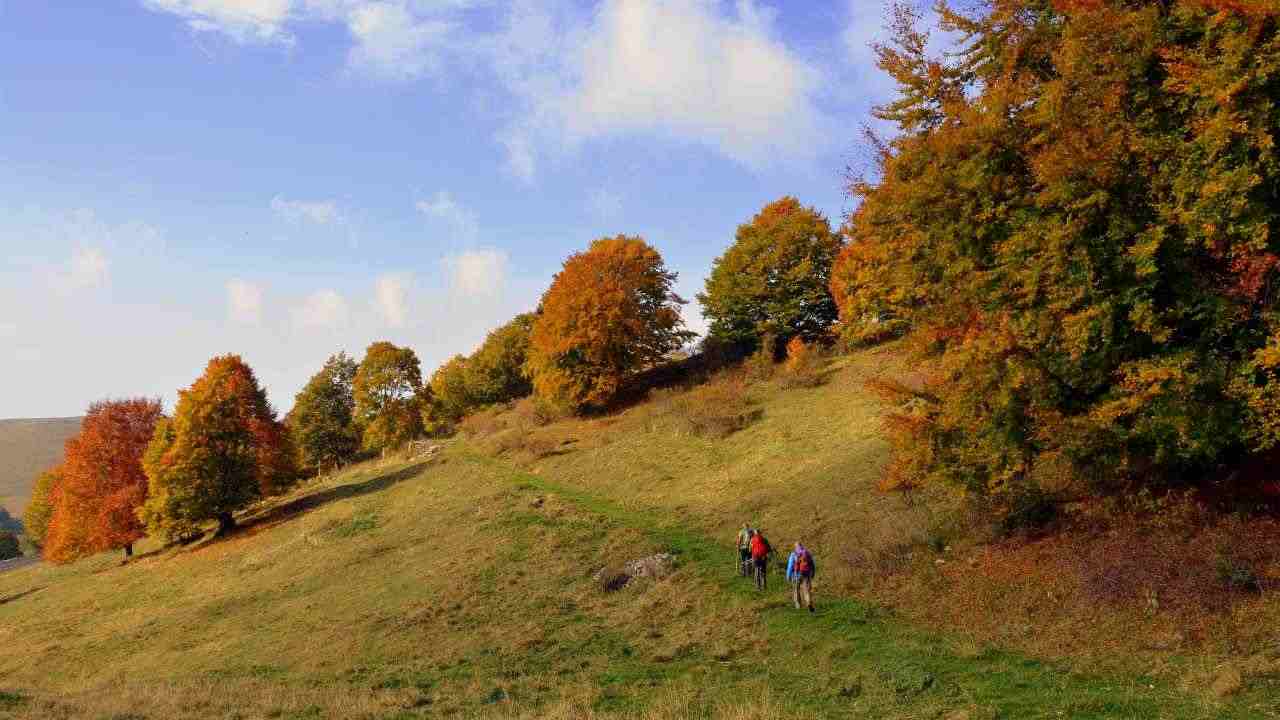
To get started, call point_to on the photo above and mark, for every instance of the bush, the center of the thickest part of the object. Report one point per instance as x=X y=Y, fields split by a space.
x=9 y=547
x=803 y=367
x=715 y=410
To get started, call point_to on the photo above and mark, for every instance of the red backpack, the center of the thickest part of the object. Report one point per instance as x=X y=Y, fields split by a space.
x=803 y=564
x=758 y=546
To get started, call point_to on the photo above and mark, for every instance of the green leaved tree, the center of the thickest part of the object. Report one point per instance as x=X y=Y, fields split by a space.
x=774 y=279
x=322 y=420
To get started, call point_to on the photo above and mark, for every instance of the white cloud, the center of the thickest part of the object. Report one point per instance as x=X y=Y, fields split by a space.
x=322 y=309
x=245 y=21
x=88 y=268
x=603 y=204
x=391 y=298
x=477 y=273
x=8 y=330
x=677 y=68
x=318 y=212
x=391 y=42
x=460 y=219
x=244 y=302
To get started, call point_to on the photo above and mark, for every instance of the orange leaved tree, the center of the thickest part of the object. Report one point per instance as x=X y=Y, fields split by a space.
x=609 y=312
x=102 y=483
x=223 y=449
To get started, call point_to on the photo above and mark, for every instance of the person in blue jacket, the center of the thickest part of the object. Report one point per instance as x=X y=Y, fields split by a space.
x=800 y=571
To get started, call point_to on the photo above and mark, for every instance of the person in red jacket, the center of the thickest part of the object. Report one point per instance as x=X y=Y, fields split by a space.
x=760 y=552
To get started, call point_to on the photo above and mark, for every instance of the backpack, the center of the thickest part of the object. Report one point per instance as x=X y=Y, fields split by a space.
x=758 y=546
x=804 y=564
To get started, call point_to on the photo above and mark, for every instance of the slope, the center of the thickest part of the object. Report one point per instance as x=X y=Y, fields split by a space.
x=463 y=587
x=28 y=447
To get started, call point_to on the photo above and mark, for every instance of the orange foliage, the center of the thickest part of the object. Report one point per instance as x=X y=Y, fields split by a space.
x=609 y=313
x=102 y=482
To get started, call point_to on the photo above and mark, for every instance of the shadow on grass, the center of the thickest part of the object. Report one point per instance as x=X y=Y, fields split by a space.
x=284 y=512
x=19 y=596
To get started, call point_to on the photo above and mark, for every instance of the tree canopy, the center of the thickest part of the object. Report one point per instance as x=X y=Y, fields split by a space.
x=494 y=373
x=775 y=278
x=35 y=519
x=223 y=449
x=387 y=391
x=609 y=312
x=322 y=420
x=1078 y=222
x=101 y=483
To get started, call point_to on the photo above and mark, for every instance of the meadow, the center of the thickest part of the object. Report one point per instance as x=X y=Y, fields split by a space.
x=464 y=585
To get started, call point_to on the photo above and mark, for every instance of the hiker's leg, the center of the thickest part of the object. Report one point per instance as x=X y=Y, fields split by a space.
x=795 y=592
x=808 y=591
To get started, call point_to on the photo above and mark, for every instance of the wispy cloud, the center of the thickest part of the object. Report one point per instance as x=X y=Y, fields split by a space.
x=603 y=204
x=245 y=21
x=87 y=268
x=317 y=212
x=459 y=218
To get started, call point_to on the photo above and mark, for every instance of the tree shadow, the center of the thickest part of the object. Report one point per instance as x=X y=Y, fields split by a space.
x=276 y=514
x=19 y=596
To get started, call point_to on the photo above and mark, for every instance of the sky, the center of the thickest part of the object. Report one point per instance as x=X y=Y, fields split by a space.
x=284 y=179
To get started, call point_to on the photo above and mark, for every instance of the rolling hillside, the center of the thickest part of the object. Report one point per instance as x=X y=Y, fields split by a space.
x=470 y=585
x=26 y=448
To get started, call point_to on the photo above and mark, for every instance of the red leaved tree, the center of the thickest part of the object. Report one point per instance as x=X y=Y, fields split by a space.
x=102 y=482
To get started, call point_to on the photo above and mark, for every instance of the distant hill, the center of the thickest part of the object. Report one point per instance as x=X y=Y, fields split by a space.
x=26 y=448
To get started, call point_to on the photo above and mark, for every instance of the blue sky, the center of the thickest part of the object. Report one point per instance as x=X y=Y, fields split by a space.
x=284 y=179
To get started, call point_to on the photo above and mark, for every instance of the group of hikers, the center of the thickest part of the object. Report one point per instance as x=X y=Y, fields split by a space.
x=754 y=551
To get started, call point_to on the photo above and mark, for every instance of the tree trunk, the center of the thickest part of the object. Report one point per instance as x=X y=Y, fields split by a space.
x=128 y=551
x=225 y=522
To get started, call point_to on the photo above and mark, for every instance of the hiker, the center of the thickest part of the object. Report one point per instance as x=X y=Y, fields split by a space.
x=744 y=549
x=800 y=570
x=760 y=552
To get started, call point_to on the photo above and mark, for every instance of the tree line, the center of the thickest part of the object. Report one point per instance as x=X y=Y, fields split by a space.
x=609 y=313
x=1076 y=227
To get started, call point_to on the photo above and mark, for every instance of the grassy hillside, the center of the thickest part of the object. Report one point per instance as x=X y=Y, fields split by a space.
x=28 y=447
x=463 y=587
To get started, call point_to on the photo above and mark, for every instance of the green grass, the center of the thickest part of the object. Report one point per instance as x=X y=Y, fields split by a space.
x=463 y=588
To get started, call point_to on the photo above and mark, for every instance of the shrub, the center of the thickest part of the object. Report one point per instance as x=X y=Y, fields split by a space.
x=9 y=547
x=803 y=367
x=715 y=410
x=35 y=519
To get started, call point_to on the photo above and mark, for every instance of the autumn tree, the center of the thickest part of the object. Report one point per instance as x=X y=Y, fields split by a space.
x=102 y=484
x=1077 y=221
x=222 y=450
x=35 y=519
x=322 y=420
x=388 y=396
x=774 y=278
x=451 y=395
x=609 y=312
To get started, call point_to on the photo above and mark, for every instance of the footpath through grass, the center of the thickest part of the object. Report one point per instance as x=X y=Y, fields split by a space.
x=851 y=659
